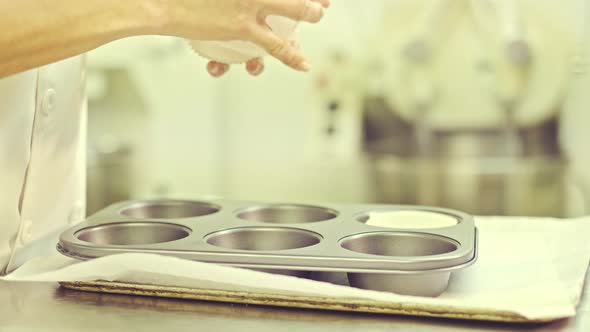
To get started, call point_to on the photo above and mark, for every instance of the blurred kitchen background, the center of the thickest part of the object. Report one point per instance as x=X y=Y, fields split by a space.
x=477 y=105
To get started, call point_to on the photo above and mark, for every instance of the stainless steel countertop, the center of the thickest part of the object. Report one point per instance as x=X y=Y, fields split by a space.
x=47 y=307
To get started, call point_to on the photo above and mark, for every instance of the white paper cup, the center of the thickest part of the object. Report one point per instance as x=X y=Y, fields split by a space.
x=237 y=51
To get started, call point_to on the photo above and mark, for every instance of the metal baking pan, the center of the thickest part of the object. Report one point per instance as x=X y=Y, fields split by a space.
x=404 y=255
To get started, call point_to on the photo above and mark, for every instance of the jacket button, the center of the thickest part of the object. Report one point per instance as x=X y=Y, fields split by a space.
x=48 y=103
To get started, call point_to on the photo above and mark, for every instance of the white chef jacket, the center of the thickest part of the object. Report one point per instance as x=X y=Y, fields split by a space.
x=42 y=158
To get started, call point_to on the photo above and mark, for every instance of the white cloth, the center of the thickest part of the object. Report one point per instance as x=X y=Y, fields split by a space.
x=528 y=266
x=42 y=155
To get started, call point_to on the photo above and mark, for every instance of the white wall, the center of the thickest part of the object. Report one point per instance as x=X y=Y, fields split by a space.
x=173 y=124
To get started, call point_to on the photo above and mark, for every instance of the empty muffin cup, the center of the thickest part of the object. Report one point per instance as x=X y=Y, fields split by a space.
x=266 y=239
x=170 y=209
x=399 y=244
x=287 y=214
x=133 y=233
x=408 y=246
x=263 y=238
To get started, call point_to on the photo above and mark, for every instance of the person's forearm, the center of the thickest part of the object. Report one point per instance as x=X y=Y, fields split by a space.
x=37 y=32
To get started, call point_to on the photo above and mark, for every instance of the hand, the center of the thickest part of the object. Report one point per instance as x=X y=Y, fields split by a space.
x=255 y=66
x=242 y=20
x=216 y=69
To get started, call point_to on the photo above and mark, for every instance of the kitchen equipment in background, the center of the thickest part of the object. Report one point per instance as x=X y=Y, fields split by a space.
x=486 y=142
x=418 y=58
x=109 y=174
x=469 y=170
x=117 y=127
x=476 y=65
x=395 y=257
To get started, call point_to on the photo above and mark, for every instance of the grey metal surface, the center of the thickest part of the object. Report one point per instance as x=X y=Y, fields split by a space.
x=333 y=238
x=40 y=307
x=426 y=284
x=133 y=233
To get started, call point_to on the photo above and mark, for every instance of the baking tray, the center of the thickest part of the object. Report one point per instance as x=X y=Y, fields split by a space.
x=293 y=239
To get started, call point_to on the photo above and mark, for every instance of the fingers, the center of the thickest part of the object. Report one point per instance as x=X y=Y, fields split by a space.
x=255 y=66
x=299 y=10
x=280 y=49
x=325 y=3
x=217 y=69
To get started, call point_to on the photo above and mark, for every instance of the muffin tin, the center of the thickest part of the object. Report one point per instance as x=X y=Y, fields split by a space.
x=290 y=239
